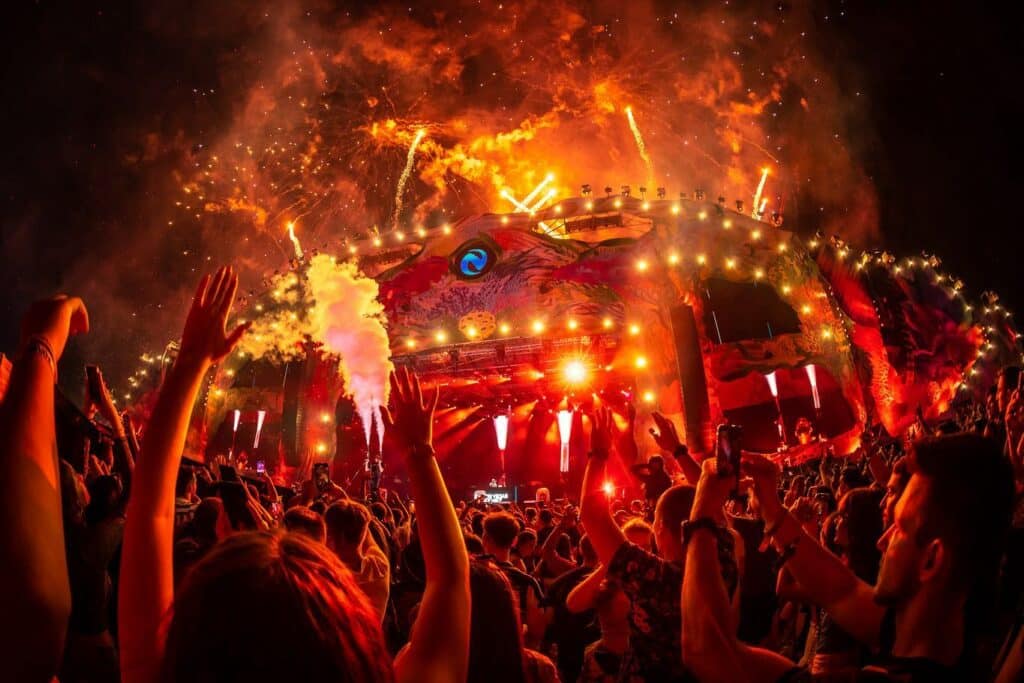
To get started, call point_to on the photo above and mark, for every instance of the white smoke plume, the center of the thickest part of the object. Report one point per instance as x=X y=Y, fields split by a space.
x=348 y=320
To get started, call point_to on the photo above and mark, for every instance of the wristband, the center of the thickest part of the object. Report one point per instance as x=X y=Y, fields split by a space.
x=691 y=526
x=39 y=345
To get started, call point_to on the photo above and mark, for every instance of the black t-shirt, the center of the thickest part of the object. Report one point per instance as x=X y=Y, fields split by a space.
x=522 y=583
x=885 y=667
x=571 y=632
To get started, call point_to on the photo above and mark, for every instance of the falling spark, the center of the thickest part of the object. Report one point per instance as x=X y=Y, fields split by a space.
x=757 y=195
x=405 y=174
x=294 y=239
x=641 y=146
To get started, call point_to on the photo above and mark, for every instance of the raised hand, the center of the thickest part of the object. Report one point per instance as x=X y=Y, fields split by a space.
x=602 y=432
x=409 y=423
x=665 y=436
x=205 y=339
x=53 y=321
x=104 y=403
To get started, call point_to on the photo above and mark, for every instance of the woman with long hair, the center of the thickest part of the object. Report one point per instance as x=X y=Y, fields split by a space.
x=496 y=650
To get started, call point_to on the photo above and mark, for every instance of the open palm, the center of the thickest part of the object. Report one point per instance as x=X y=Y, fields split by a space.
x=204 y=338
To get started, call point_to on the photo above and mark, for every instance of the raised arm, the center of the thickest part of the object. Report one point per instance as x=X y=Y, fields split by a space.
x=710 y=646
x=549 y=551
x=124 y=459
x=822 y=576
x=439 y=644
x=597 y=519
x=668 y=440
x=34 y=590
x=582 y=597
x=147 y=578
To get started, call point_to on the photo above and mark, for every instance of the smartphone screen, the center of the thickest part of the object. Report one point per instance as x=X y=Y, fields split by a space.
x=261 y=467
x=727 y=455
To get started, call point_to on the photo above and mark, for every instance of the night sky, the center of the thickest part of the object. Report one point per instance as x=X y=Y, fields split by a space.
x=104 y=101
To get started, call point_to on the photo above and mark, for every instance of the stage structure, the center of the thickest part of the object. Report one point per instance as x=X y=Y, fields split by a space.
x=685 y=306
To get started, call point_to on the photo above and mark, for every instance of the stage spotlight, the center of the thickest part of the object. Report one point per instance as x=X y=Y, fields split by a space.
x=634 y=329
x=538 y=326
x=641 y=362
x=607 y=323
x=575 y=372
x=609 y=489
x=325 y=417
x=649 y=397
x=441 y=336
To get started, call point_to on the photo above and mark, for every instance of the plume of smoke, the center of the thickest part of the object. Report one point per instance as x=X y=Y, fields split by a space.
x=348 y=320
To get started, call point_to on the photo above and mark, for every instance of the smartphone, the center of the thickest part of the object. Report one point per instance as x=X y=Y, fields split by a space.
x=92 y=379
x=727 y=453
x=261 y=467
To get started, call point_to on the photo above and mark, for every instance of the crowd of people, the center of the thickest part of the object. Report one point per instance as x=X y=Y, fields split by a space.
x=123 y=561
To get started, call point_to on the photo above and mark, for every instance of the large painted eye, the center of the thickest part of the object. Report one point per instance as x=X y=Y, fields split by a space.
x=473 y=259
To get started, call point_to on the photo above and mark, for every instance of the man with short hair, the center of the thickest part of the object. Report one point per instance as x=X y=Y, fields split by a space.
x=654 y=477
x=940 y=562
x=651 y=582
x=500 y=532
x=348 y=537
x=301 y=520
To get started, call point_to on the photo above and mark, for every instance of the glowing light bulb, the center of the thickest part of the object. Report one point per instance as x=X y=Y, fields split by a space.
x=504 y=328
x=504 y=220
x=572 y=324
x=400 y=236
x=352 y=249
x=826 y=333
x=782 y=247
x=702 y=215
x=440 y=336
x=755 y=235
x=730 y=263
x=538 y=326
x=786 y=289
x=321 y=448
x=609 y=488
x=673 y=258
x=805 y=309
x=589 y=206
x=727 y=223
x=634 y=329
x=325 y=417
x=675 y=209
x=758 y=274
x=618 y=203
x=701 y=259
x=607 y=323
x=641 y=265
x=471 y=332
x=558 y=208
x=376 y=242
x=640 y=362
x=648 y=397
x=646 y=206
x=446 y=229
x=410 y=343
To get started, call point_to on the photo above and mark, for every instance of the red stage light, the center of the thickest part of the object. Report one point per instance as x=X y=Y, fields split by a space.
x=609 y=488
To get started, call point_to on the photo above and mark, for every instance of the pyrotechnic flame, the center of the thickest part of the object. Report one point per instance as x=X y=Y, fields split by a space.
x=336 y=306
x=641 y=147
x=294 y=239
x=409 y=161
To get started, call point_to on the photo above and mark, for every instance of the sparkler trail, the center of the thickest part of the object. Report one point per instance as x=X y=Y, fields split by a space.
x=294 y=239
x=640 y=146
x=410 y=159
x=757 y=195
